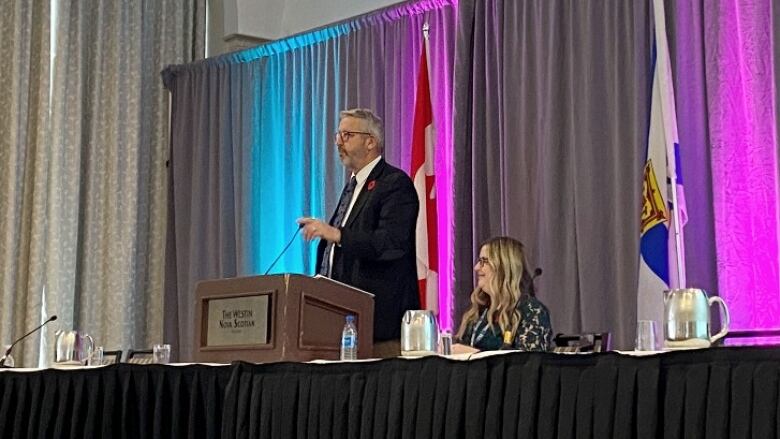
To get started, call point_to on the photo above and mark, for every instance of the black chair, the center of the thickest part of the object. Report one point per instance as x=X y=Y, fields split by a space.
x=141 y=356
x=586 y=342
x=112 y=357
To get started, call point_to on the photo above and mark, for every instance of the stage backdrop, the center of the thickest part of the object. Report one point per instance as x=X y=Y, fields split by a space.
x=549 y=118
x=252 y=144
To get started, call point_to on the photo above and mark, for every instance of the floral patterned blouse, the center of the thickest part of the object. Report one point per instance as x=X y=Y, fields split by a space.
x=533 y=334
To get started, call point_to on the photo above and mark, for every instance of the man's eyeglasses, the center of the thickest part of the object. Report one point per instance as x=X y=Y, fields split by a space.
x=482 y=262
x=344 y=136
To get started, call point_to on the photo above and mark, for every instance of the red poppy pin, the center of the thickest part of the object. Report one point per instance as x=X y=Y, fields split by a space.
x=371 y=185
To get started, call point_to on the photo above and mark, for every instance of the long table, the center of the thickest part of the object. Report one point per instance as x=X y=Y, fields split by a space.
x=714 y=393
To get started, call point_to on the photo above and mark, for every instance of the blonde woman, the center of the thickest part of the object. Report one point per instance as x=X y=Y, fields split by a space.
x=504 y=309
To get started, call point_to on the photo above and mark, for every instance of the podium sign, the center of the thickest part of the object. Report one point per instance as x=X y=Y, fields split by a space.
x=286 y=317
x=236 y=321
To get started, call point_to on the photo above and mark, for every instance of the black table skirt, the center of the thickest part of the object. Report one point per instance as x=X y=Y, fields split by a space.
x=717 y=393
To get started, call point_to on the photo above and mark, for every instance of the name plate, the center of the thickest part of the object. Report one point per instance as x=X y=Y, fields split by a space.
x=237 y=321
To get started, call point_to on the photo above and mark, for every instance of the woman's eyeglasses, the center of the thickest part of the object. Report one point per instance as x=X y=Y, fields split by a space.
x=482 y=262
x=344 y=136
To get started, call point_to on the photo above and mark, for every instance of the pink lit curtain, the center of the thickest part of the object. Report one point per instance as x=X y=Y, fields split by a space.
x=725 y=66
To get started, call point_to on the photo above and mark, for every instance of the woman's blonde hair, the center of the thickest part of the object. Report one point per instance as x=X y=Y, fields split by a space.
x=511 y=279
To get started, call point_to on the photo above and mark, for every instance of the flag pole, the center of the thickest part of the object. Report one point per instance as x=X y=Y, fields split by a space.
x=426 y=32
x=423 y=176
x=677 y=237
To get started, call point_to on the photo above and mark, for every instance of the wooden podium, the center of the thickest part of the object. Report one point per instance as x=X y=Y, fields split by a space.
x=285 y=317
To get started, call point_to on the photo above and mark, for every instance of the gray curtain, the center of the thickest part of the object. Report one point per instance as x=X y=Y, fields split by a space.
x=88 y=236
x=24 y=154
x=252 y=142
x=551 y=109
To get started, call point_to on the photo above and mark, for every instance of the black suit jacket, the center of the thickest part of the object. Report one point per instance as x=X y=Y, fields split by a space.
x=377 y=251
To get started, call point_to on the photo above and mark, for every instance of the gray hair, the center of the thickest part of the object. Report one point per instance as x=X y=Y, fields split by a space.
x=373 y=123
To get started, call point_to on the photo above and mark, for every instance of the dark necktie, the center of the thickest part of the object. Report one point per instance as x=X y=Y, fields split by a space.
x=341 y=211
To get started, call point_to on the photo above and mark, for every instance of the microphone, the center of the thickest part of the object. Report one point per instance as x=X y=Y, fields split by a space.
x=8 y=351
x=537 y=273
x=300 y=226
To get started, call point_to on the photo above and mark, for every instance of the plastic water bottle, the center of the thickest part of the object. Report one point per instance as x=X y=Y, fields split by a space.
x=349 y=340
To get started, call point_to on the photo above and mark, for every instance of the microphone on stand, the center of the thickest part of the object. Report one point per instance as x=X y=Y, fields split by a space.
x=300 y=226
x=8 y=351
x=527 y=281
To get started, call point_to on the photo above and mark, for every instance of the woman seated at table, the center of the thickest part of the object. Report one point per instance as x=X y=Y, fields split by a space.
x=504 y=312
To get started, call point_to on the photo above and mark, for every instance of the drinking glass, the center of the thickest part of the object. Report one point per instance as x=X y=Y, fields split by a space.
x=161 y=353
x=646 y=335
x=96 y=359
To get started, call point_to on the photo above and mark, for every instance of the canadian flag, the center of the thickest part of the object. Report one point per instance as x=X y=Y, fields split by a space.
x=423 y=146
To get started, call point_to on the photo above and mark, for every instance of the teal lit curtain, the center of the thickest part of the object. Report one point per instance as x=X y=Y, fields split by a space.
x=252 y=148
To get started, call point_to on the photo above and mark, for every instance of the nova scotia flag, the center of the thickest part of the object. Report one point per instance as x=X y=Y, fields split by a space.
x=659 y=244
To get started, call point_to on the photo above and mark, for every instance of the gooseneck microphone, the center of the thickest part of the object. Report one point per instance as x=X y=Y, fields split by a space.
x=300 y=226
x=8 y=351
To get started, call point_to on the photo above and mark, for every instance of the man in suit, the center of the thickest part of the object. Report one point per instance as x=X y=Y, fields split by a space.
x=369 y=240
